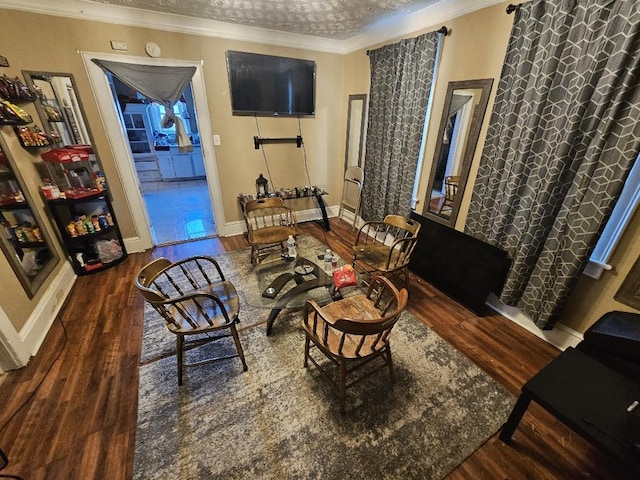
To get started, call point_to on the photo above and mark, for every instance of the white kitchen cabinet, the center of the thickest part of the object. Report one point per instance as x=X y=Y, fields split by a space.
x=174 y=165
x=139 y=132
x=182 y=165
x=165 y=164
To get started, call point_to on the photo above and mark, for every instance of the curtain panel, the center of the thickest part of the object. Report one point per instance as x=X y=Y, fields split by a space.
x=563 y=135
x=163 y=85
x=401 y=76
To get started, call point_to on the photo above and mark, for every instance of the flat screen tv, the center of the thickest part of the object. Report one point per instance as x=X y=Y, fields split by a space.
x=267 y=85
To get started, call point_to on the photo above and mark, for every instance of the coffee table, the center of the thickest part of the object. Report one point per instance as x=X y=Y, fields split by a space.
x=280 y=282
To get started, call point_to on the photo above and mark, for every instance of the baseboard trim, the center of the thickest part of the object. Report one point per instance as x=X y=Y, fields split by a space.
x=560 y=337
x=35 y=330
x=133 y=245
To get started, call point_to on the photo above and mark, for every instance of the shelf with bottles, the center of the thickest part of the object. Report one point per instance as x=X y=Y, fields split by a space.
x=11 y=196
x=20 y=229
x=89 y=231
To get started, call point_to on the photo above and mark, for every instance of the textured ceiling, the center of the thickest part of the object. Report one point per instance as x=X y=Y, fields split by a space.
x=335 y=19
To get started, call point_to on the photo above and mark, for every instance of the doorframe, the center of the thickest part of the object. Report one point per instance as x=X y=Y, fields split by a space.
x=124 y=161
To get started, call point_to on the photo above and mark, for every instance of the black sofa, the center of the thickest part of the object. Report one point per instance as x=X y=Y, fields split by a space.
x=614 y=340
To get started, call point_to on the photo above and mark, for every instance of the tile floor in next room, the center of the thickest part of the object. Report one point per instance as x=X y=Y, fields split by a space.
x=178 y=211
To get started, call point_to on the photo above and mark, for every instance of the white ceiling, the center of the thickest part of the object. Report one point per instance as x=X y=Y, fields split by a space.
x=335 y=26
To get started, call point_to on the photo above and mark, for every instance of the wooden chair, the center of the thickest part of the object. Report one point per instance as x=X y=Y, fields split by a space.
x=269 y=224
x=385 y=247
x=194 y=299
x=451 y=185
x=353 y=332
x=352 y=192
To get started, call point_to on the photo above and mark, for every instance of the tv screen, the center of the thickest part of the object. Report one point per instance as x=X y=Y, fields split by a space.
x=267 y=85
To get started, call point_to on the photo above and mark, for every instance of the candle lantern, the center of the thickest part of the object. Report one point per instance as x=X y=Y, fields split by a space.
x=262 y=185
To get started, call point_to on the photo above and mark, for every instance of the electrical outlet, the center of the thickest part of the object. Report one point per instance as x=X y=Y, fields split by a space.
x=216 y=140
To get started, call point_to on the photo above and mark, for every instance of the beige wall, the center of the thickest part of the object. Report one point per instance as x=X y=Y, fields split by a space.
x=474 y=49
x=53 y=44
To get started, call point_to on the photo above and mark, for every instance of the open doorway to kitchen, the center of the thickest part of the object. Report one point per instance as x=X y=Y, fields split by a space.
x=172 y=182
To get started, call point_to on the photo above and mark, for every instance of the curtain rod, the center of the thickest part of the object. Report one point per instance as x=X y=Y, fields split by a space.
x=444 y=30
x=512 y=8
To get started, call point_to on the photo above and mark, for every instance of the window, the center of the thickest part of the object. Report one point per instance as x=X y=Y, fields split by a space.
x=622 y=213
x=156 y=112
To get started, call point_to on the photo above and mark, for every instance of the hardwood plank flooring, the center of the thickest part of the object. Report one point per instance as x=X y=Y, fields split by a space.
x=71 y=412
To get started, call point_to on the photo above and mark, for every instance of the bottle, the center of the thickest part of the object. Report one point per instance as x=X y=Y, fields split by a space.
x=327 y=260
x=291 y=245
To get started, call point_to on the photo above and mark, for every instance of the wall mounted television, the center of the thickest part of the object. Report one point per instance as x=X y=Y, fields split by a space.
x=266 y=85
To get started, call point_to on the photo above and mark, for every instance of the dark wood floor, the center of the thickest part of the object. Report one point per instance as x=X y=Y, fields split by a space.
x=71 y=413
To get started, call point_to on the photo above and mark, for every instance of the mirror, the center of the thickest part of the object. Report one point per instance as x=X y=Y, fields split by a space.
x=59 y=106
x=356 y=117
x=61 y=112
x=24 y=242
x=463 y=113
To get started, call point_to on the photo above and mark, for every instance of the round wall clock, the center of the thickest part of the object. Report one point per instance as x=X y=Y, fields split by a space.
x=152 y=49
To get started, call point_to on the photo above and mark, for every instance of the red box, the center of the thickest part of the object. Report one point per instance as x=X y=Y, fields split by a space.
x=62 y=155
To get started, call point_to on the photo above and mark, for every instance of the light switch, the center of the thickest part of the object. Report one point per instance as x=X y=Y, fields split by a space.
x=120 y=46
x=216 y=140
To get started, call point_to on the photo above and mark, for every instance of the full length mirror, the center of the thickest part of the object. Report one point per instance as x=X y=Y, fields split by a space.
x=24 y=242
x=356 y=117
x=463 y=113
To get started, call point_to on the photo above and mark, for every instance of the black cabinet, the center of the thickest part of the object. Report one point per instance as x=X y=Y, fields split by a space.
x=89 y=231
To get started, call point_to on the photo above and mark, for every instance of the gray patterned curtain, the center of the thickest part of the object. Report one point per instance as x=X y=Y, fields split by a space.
x=563 y=136
x=400 y=83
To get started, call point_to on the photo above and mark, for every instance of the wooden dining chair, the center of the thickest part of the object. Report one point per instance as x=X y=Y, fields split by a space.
x=353 y=332
x=269 y=224
x=385 y=248
x=451 y=185
x=198 y=305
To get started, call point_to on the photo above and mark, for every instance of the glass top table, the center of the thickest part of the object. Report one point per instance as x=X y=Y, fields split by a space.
x=279 y=282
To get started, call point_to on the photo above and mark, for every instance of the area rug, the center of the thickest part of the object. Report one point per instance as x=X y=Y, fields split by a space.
x=279 y=420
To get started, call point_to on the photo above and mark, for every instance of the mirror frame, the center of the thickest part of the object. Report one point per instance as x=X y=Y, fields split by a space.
x=362 y=123
x=29 y=76
x=477 y=120
x=30 y=285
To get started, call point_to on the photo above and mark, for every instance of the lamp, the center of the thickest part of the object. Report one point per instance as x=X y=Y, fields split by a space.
x=262 y=185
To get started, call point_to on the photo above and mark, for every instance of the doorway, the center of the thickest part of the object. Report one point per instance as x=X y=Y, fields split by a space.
x=173 y=183
x=142 y=238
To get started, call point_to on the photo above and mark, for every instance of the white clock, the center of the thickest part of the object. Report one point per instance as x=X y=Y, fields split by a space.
x=152 y=49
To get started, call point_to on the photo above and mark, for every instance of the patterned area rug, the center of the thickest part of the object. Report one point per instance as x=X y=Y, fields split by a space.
x=279 y=420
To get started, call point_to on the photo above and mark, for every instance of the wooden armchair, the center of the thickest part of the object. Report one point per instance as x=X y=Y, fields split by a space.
x=353 y=332
x=384 y=248
x=194 y=298
x=269 y=224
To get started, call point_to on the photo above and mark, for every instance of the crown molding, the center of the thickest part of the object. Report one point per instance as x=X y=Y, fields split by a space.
x=432 y=16
x=392 y=28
